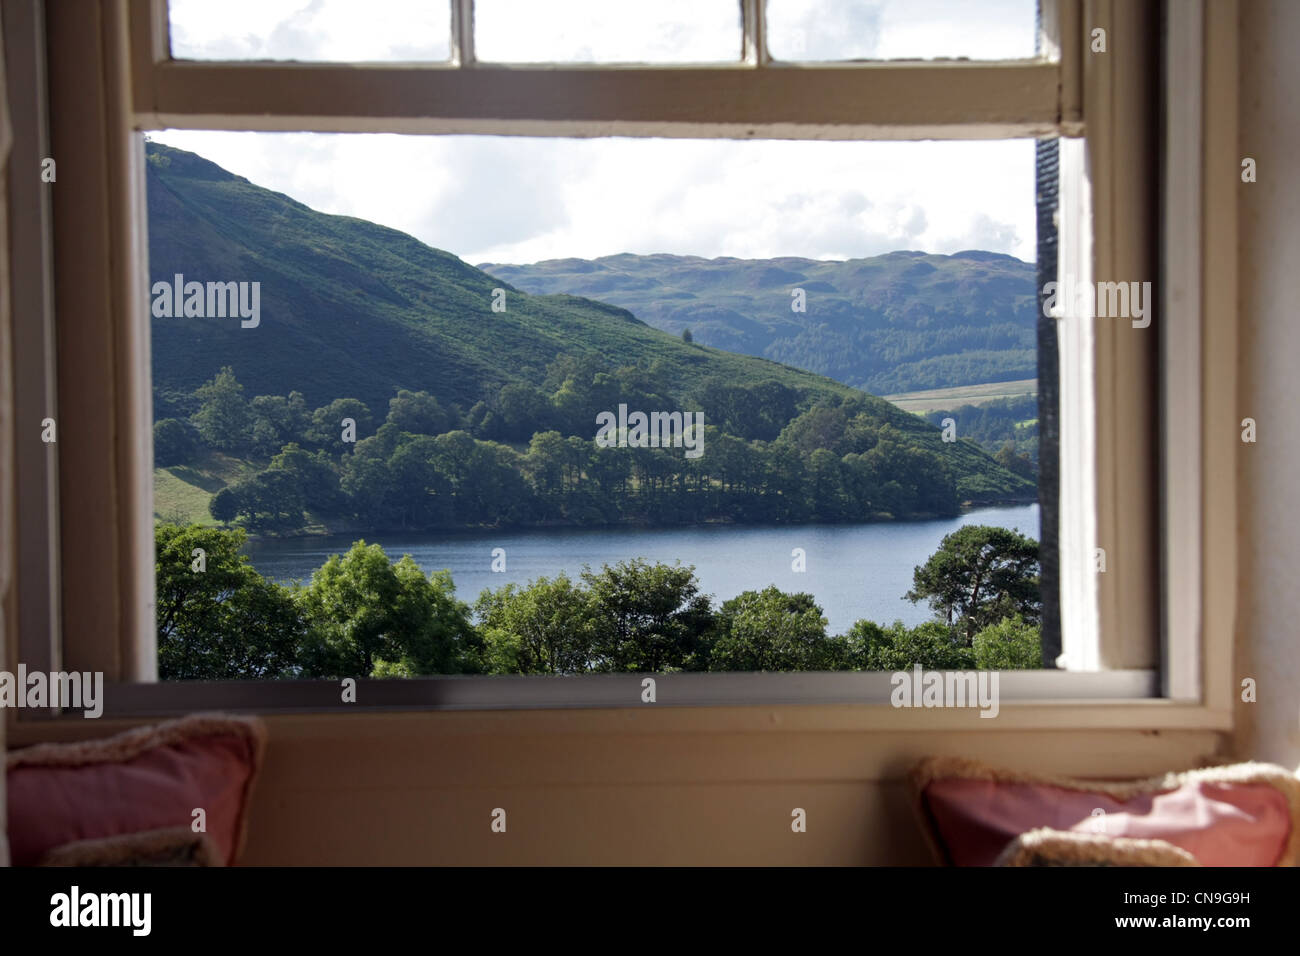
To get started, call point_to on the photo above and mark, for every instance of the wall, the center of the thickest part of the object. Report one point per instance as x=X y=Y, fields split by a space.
x=1269 y=253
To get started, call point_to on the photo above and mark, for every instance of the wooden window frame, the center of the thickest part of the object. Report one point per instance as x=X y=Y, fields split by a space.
x=105 y=543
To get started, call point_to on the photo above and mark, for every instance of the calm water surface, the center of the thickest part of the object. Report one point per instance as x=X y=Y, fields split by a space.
x=854 y=571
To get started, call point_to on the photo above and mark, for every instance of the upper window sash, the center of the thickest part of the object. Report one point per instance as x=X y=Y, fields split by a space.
x=753 y=97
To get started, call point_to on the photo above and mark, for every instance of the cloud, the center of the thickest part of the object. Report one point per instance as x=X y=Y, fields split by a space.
x=520 y=199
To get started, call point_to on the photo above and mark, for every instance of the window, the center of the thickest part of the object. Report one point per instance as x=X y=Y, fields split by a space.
x=757 y=99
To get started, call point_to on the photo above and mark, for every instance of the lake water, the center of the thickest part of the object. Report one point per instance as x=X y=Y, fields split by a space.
x=855 y=571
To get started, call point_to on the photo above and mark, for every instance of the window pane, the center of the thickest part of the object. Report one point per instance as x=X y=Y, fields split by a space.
x=322 y=30
x=833 y=343
x=607 y=31
x=901 y=29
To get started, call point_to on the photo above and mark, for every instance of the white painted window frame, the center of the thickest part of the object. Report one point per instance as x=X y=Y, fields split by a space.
x=753 y=98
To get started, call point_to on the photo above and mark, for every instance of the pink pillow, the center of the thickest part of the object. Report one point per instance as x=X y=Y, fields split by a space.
x=145 y=779
x=1242 y=815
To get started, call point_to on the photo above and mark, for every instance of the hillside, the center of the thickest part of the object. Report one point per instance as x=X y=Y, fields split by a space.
x=899 y=322
x=353 y=310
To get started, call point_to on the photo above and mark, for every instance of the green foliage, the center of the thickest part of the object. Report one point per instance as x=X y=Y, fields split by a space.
x=418 y=413
x=173 y=443
x=224 y=419
x=1010 y=644
x=770 y=630
x=368 y=615
x=271 y=500
x=224 y=506
x=547 y=627
x=648 y=617
x=278 y=421
x=314 y=479
x=225 y=621
x=979 y=575
x=364 y=615
x=1007 y=428
x=327 y=421
x=933 y=645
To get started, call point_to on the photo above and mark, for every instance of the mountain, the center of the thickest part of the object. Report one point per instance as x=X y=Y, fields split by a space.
x=351 y=309
x=899 y=322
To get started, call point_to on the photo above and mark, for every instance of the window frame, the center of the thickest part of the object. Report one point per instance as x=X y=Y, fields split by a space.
x=110 y=558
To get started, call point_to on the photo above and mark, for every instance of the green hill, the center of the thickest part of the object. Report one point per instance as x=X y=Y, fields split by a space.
x=350 y=309
x=899 y=322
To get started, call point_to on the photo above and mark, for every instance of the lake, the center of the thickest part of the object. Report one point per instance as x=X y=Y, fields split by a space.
x=854 y=570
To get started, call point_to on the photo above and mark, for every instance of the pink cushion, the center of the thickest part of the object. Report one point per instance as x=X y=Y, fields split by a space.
x=146 y=779
x=1245 y=814
x=1219 y=824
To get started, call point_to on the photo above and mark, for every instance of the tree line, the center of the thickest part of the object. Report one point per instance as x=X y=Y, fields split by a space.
x=526 y=456
x=363 y=615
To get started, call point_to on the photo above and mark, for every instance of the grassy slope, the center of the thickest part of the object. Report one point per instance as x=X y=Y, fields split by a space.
x=353 y=309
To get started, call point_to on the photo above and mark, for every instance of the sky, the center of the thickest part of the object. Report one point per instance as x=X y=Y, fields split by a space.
x=519 y=199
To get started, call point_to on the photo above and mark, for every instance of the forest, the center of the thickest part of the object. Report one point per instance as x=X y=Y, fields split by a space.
x=528 y=458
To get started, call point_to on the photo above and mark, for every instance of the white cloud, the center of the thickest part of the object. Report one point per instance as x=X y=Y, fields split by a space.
x=521 y=199
x=517 y=199
x=900 y=29
x=374 y=30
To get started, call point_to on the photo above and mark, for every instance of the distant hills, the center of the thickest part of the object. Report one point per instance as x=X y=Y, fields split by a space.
x=351 y=309
x=899 y=322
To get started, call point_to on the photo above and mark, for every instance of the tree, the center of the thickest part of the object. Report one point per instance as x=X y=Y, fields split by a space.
x=368 y=617
x=687 y=337
x=979 y=575
x=1010 y=644
x=222 y=621
x=173 y=443
x=933 y=645
x=224 y=505
x=277 y=421
x=649 y=617
x=770 y=630
x=271 y=500
x=313 y=476
x=544 y=628
x=418 y=413
x=224 y=420
x=1017 y=464
x=327 y=422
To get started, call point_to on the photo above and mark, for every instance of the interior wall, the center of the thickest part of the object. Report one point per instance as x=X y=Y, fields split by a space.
x=1269 y=251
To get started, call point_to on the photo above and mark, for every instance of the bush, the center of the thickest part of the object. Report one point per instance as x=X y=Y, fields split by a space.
x=173 y=443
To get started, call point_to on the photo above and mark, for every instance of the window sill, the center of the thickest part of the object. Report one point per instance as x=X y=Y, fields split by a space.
x=604 y=704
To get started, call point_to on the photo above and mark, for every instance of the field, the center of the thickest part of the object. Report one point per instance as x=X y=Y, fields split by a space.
x=948 y=398
x=181 y=493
